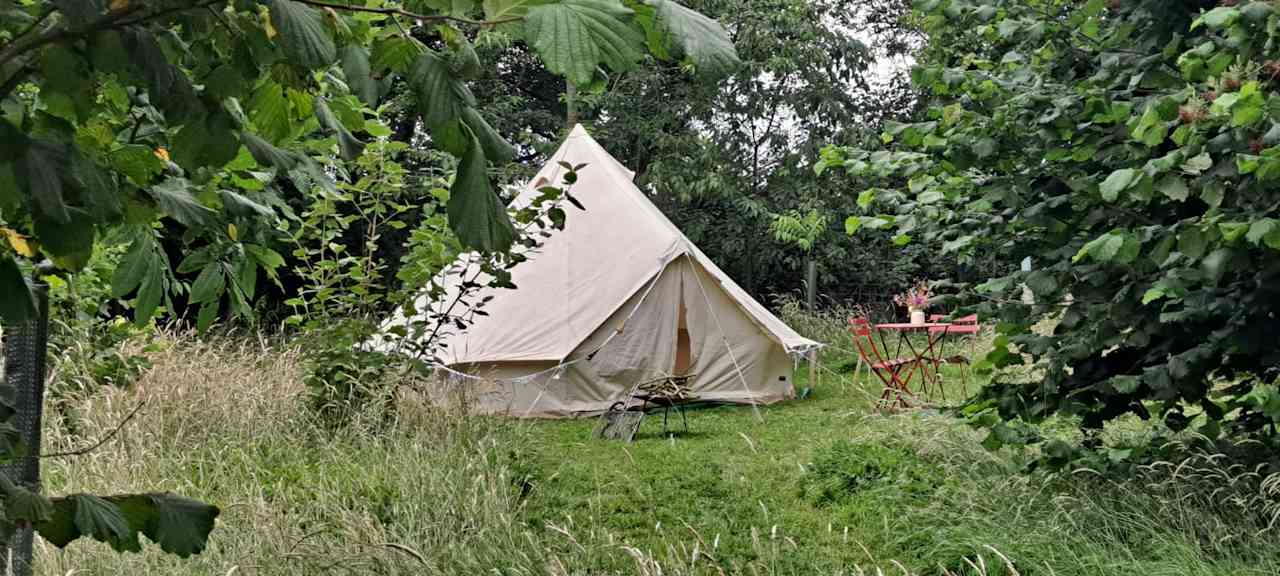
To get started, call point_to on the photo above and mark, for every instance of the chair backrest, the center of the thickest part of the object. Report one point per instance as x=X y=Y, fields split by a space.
x=962 y=325
x=864 y=339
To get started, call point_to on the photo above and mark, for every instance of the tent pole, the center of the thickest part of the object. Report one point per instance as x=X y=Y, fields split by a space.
x=813 y=369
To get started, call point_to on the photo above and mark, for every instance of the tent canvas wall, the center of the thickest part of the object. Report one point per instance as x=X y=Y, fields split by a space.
x=618 y=297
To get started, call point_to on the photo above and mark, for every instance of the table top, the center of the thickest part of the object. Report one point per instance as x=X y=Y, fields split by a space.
x=910 y=326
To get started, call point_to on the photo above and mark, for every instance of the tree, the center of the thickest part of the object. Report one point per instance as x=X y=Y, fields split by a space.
x=198 y=118
x=1130 y=150
x=724 y=161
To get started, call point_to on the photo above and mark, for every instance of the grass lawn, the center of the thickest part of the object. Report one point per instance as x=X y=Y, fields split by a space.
x=824 y=485
x=730 y=486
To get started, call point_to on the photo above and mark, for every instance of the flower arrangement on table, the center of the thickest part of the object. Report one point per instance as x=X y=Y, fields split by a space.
x=915 y=300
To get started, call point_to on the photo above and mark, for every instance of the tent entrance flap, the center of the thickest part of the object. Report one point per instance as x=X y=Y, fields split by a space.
x=684 y=352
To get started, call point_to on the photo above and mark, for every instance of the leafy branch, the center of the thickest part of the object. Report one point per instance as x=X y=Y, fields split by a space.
x=25 y=43
x=408 y=14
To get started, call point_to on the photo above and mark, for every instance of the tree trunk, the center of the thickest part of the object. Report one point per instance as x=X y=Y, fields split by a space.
x=570 y=104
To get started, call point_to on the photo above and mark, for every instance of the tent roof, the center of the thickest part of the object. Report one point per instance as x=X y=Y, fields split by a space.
x=581 y=275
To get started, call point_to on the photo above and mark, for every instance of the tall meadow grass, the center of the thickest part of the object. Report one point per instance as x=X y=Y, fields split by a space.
x=434 y=491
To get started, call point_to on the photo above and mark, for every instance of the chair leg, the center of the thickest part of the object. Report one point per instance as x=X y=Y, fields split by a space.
x=885 y=402
x=684 y=420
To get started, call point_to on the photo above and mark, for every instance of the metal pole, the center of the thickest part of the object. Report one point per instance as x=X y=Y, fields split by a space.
x=811 y=281
x=24 y=371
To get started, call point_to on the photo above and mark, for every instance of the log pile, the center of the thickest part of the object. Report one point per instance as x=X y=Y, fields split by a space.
x=673 y=389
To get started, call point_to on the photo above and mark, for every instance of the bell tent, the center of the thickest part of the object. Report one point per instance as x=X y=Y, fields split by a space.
x=617 y=298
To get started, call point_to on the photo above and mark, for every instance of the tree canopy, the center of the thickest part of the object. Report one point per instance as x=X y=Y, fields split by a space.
x=206 y=121
x=726 y=161
x=1130 y=150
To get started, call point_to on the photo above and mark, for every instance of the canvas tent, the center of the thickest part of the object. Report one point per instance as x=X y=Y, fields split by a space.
x=618 y=297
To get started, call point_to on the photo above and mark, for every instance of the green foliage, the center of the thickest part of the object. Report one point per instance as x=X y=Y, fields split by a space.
x=179 y=525
x=729 y=163
x=248 y=115
x=196 y=129
x=344 y=379
x=462 y=492
x=1124 y=147
x=336 y=239
x=344 y=285
x=86 y=336
x=576 y=36
x=801 y=230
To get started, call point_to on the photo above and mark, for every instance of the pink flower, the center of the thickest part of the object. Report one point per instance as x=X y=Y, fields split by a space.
x=916 y=297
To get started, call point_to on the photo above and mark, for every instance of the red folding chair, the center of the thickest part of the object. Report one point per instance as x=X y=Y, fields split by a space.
x=966 y=325
x=888 y=370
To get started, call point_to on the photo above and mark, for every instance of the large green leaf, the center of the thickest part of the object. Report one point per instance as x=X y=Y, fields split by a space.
x=1219 y=17
x=69 y=244
x=349 y=147
x=699 y=38
x=441 y=97
x=100 y=520
x=19 y=303
x=136 y=161
x=504 y=9
x=1117 y=182
x=175 y=199
x=168 y=86
x=209 y=141
x=396 y=53
x=149 y=295
x=496 y=148
x=1174 y=187
x=98 y=190
x=1266 y=230
x=181 y=526
x=40 y=172
x=269 y=111
x=463 y=59
x=355 y=67
x=267 y=155
x=303 y=35
x=476 y=215
x=1117 y=247
x=137 y=263
x=574 y=37
x=23 y=504
x=240 y=205
x=209 y=284
x=1216 y=264
x=67 y=89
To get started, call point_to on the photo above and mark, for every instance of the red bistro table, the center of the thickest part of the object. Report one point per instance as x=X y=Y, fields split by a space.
x=920 y=358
